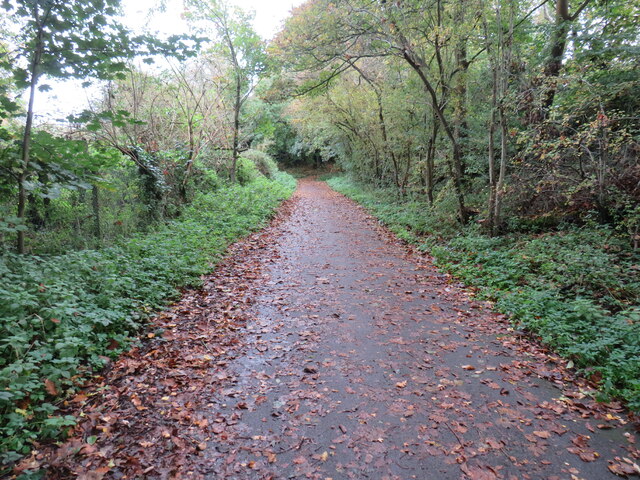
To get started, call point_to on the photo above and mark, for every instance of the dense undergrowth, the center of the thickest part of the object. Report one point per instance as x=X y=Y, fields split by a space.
x=578 y=289
x=63 y=316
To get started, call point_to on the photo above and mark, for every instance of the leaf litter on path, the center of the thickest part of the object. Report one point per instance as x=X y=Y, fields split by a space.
x=322 y=347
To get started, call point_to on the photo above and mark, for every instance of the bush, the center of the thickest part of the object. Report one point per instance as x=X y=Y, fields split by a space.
x=266 y=165
x=62 y=316
x=205 y=179
x=246 y=171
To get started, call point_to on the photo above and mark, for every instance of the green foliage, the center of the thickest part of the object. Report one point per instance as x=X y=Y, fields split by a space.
x=152 y=184
x=265 y=164
x=237 y=39
x=133 y=197
x=62 y=316
x=246 y=171
x=408 y=217
x=205 y=179
x=578 y=289
x=78 y=39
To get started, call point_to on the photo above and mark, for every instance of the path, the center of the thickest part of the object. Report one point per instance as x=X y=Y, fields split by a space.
x=343 y=356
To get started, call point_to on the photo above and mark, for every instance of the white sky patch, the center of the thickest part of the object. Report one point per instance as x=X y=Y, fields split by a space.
x=70 y=97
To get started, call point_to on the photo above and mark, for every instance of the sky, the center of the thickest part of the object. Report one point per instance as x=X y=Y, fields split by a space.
x=268 y=14
x=69 y=97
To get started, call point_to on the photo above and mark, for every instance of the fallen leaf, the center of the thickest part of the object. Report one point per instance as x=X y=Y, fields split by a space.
x=50 y=387
x=623 y=469
x=589 y=456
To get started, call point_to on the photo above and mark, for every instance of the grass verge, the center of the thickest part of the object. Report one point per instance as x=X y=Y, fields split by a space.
x=577 y=289
x=62 y=317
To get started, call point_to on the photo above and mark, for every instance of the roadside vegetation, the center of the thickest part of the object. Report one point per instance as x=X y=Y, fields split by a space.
x=503 y=137
x=64 y=316
x=106 y=216
x=576 y=288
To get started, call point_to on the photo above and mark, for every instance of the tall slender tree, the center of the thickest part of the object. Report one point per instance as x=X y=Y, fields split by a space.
x=242 y=47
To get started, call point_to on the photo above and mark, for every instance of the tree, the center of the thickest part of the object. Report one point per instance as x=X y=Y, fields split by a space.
x=175 y=113
x=500 y=59
x=406 y=30
x=62 y=39
x=242 y=47
x=558 y=44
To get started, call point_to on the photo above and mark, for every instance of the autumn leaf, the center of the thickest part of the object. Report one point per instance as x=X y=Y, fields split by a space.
x=589 y=456
x=475 y=472
x=97 y=474
x=50 y=387
x=624 y=469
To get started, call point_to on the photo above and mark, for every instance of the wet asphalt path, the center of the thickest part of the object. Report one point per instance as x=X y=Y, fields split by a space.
x=362 y=361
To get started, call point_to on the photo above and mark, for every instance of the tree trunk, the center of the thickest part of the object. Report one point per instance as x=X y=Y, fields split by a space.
x=407 y=171
x=456 y=158
x=553 y=64
x=460 y=126
x=502 y=85
x=492 y=155
x=557 y=47
x=431 y=156
x=26 y=139
x=236 y=128
x=496 y=83
x=497 y=215
x=385 y=139
x=383 y=127
x=95 y=203
x=182 y=190
x=456 y=154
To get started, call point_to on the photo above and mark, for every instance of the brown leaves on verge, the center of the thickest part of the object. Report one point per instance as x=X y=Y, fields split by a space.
x=144 y=415
x=50 y=387
x=181 y=403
